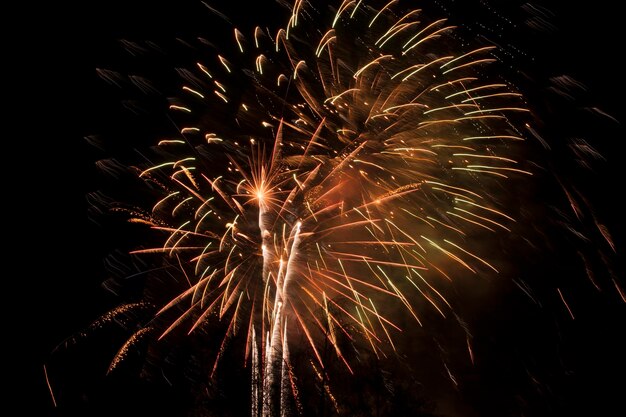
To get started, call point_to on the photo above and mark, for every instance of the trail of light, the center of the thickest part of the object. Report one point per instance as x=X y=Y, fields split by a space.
x=385 y=7
x=180 y=108
x=494 y=137
x=619 y=289
x=521 y=171
x=350 y=279
x=471 y=90
x=171 y=142
x=479 y=171
x=454 y=188
x=404 y=299
x=499 y=158
x=451 y=83
x=470 y=221
x=375 y=61
x=238 y=37
x=123 y=351
x=393 y=31
x=422 y=67
x=220 y=95
x=477 y=62
x=446 y=225
x=448 y=253
x=500 y=109
x=472 y=255
x=432 y=288
x=156 y=167
x=326 y=39
x=483 y=218
x=433 y=24
x=45 y=373
x=491 y=96
x=452 y=106
x=469 y=349
x=378 y=316
x=256 y=380
x=191 y=90
x=569 y=310
x=475 y=51
x=342 y=8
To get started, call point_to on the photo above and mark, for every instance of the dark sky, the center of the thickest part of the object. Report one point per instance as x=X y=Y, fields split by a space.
x=71 y=102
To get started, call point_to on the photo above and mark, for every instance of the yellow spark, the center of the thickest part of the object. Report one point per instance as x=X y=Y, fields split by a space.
x=371 y=63
x=499 y=158
x=470 y=90
x=479 y=171
x=298 y=65
x=180 y=108
x=191 y=90
x=179 y=205
x=281 y=77
x=170 y=141
x=224 y=62
x=494 y=137
x=381 y=11
x=238 y=37
x=430 y=36
x=222 y=96
x=484 y=208
x=163 y=200
x=446 y=225
x=259 y=63
x=156 y=167
x=393 y=31
x=167 y=242
x=475 y=51
x=521 y=171
x=483 y=218
x=328 y=37
x=419 y=67
x=451 y=83
x=220 y=86
x=448 y=253
x=342 y=8
x=452 y=106
x=477 y=62
x=204 y=69
x=491 y=96
x=336 y=97
x=472 y=255
x=454 y=188
x=257 y=30
x=500 y=109
x=470 y=221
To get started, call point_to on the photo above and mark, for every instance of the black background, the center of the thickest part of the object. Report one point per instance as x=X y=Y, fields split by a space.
x=59 y=254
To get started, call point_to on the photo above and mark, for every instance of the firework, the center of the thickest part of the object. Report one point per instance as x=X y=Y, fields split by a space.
x=367 y=156
x=356 y=163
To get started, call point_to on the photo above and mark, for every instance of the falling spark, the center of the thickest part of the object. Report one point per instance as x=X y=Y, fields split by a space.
x=45 y=372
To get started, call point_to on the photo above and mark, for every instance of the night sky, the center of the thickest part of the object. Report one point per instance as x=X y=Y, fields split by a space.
x=579 y=364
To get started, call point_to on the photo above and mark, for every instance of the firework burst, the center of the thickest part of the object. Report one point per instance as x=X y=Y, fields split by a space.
x=357 y=163
x=367 y=156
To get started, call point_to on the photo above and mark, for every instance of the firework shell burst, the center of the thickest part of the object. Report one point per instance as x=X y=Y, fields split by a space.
x=327 y=176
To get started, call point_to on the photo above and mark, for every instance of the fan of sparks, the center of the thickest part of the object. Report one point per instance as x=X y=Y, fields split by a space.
x=327 y=177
